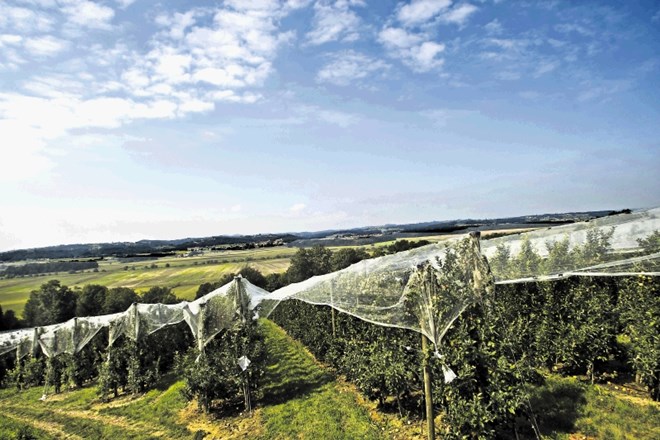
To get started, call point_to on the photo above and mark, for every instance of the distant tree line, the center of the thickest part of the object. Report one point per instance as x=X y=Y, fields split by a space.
x=50 y=267
x=144 y=247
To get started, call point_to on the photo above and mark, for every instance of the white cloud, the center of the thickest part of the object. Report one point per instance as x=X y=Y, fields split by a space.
x=414 y=50
x=124 y=3
x=398 y=38
x=24 y=20
x=298 y=207
x=202 y=56
x=347 y=67
x=10 y=39
x=421 y=11
x=45 y=46
x=600 y=89
x=567 y=28
x=54 y=86
x=442 y=117
x=334 y=20
x=459 y=14
x=176 y=24
x=546 y=66
x=340 y=119
x=494 y=27
x=87 y=14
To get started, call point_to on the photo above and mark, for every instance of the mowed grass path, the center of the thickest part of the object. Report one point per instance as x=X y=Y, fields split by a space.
x=184 y=275
x=301 y=401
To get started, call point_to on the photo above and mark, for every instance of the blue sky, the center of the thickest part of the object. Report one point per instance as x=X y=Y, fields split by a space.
x=129 y=119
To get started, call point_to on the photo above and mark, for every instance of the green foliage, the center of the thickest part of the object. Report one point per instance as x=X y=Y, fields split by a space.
x=158 y=294
x=596 y=247
x=568 y=324
x=398 y=246
x=307 y=263
x=143 y=372
x=53 y=374
x=113 y=372
x=251 y=274
x=28 y=372
x=51 y=304
x=639 y=306
x=561 y=258
x=50 y=267
x=650 y=244
x=119 y=299
x=8 y=320
x=91 y=300
x=345 y=257
x=214 y=374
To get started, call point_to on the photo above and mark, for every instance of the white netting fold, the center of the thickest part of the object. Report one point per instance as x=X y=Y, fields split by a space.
x=424 y=289
x=225 y=308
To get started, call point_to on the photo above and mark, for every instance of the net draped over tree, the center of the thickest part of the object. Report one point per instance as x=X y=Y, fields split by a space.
x=423 y=289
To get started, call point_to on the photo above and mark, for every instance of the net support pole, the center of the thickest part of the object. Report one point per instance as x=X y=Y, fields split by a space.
x=332 y=310
x=428 y=391
x=334 y=326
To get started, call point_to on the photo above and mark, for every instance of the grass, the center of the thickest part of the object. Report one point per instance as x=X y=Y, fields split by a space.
x=302 y=399
x=184 y=274
x=568 y=409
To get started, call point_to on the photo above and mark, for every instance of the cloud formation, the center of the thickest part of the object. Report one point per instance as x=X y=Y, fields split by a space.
x=347 y=67
x=335 y=20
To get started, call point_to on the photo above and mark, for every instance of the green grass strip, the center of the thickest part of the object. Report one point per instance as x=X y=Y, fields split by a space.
x=302 y=399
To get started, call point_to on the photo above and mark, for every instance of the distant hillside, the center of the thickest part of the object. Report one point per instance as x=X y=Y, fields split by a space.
x=362 y=235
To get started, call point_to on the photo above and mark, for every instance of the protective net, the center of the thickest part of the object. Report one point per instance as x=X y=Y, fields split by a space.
x=624 y=244
x=224 y=308
x=424 y=289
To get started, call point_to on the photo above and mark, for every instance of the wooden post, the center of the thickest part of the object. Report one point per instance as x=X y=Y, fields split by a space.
x=246 y=391
x=334 y=327
x=428 y=391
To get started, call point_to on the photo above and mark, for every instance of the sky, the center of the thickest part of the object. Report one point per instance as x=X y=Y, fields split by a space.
x=123 y=120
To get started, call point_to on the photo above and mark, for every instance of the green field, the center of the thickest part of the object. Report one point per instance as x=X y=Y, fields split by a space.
x=184 y=274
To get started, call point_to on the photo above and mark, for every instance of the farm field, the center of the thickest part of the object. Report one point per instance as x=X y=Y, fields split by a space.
x=182 y=274
x=301 y=400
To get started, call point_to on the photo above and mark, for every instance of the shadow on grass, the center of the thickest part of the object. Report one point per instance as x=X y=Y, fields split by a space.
x=166 y=381
x=557 y=405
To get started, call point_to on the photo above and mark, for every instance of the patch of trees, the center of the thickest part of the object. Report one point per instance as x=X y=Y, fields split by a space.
x=398 y=246
x=214 y=375
x=50 y=267
x=8 y=320
x=54 y=302
x=600 y=329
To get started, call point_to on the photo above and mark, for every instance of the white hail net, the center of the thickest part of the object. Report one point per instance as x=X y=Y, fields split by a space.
x=424 y=289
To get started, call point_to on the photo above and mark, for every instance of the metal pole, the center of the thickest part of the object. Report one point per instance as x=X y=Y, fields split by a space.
x=428 y=391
